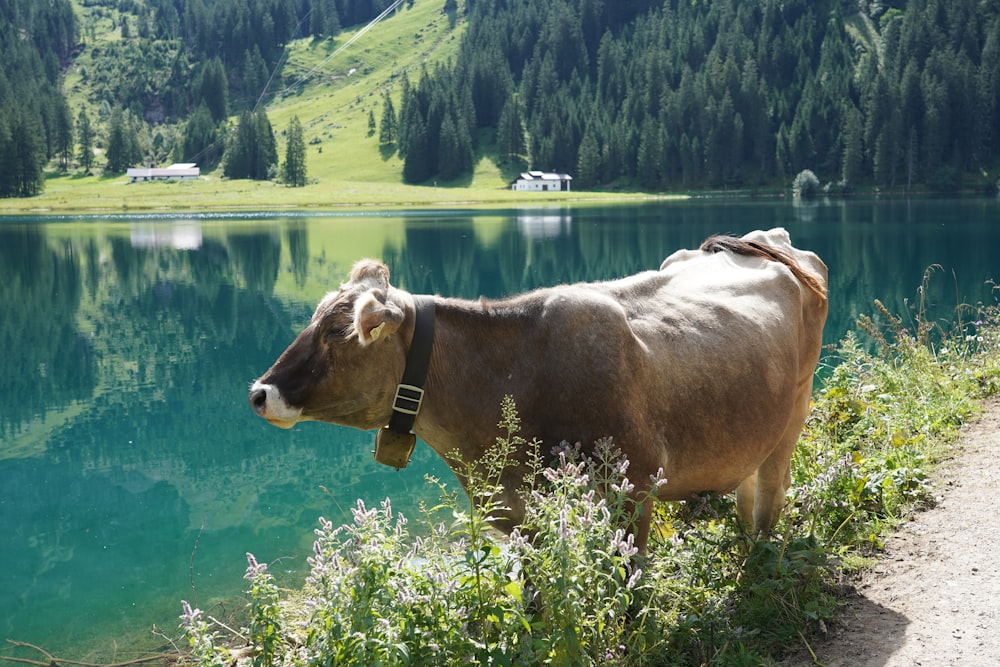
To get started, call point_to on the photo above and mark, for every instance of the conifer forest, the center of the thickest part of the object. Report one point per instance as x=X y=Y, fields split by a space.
x=661 y=95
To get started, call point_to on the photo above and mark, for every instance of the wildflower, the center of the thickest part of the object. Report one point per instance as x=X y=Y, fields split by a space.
x=564 y=524
x=405 y=597
x=625 y=487
x=624 y=545
x=518 y=541
x=362 y=515
x=190 y=615
x=254 y=569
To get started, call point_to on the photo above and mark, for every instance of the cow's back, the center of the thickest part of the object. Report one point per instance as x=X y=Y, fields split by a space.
x=715 y=351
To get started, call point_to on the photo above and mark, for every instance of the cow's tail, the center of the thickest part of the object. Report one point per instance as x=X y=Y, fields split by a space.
x=723 y=243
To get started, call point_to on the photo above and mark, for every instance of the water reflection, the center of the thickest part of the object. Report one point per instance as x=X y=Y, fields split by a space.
x=180 y=235
x=126 y=433
x=129 y=345
x=47 y=363
x=544 y=225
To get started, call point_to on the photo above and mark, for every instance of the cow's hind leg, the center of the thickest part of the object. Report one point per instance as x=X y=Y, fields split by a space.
x=774 y=475
x=745 y=494
x=773 y=479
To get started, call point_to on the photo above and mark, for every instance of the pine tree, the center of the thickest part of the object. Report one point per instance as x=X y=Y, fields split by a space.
x=294 y=169
x=853 y=159
x=317 y=19
x=63 y=132
x=387 y=127
x=85 y=141
x=27 y=155
x=213 y=89
x=255 y=75
x=454 y=148
x=406 y=116
x=236 y=163
x=510 y=131
x=201 y=142
x=266 y=164
x=448 y=151
x=6 y=159
x=649 y=165
x=120 y=144
x=417 y=163
x=251 y=151
x=588 y=162
x=324 y=20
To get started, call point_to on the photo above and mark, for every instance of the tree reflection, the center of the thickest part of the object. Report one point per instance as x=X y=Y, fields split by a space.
x=256 y=258
x=535 y=250
x=46 y=362
x=298 y=248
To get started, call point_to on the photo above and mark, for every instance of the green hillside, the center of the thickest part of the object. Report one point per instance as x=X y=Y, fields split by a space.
x=331 y=84
x=657 y=95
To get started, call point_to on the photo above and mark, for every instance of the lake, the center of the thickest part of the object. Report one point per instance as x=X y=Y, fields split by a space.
x=132 y=472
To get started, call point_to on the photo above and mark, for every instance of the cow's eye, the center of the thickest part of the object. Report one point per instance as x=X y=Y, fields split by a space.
x=336 y=332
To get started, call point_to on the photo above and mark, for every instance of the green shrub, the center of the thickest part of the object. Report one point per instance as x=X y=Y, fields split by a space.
x=805 y=184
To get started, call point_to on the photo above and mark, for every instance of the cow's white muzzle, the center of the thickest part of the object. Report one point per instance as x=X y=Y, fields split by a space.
x=267 y=401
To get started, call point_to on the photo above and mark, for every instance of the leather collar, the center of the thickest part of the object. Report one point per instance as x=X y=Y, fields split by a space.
x=394 y=442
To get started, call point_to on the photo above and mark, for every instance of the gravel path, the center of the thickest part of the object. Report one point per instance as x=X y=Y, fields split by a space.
x=934 y=598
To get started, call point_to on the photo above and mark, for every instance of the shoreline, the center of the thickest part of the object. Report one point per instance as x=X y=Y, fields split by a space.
x=82 y=196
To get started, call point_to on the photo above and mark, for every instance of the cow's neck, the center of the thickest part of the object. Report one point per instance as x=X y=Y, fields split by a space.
x=475 y=347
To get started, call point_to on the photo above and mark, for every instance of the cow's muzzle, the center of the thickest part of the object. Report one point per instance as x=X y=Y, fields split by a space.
x=267 y=401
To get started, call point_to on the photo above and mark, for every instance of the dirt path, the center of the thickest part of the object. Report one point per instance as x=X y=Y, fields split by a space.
x=934 y=599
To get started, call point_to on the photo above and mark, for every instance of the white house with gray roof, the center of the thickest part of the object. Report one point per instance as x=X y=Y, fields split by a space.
x=542 y=181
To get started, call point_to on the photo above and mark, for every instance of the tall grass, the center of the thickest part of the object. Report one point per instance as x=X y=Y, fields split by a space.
x=568 y=588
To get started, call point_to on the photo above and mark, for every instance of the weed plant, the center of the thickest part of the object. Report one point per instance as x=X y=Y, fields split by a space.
x=568 y=588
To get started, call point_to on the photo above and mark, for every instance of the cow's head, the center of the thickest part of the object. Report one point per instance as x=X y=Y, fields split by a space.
x=344 y=367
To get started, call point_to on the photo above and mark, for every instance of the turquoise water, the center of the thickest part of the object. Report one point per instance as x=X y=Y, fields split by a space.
x=132 y=473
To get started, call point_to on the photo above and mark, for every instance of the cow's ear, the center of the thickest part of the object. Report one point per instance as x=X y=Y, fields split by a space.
x=371 y=269
x=375 y=317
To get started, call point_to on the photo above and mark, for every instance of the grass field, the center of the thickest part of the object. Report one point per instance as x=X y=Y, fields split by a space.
x=70 y=193
x=331 y=85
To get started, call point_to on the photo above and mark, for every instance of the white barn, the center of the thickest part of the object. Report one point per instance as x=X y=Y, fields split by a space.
x=541 y=181
x=180 y=172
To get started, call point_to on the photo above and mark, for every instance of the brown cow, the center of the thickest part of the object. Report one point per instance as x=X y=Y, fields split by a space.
x=703 y=369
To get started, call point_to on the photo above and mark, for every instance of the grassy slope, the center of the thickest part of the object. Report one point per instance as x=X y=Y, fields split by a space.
x=332 y=98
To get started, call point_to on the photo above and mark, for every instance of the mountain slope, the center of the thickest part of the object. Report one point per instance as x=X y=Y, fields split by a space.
x=330 y=83
x=337 y=89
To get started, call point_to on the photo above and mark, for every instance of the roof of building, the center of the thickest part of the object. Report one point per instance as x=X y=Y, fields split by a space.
x=543 y=176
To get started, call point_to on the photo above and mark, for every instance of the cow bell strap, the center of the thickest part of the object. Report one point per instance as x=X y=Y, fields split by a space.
x=394 y=442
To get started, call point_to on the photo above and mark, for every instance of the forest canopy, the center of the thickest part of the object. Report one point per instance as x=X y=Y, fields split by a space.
x=684 y=95
x=656 y=94
x=186 y=63
x=36 y=41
